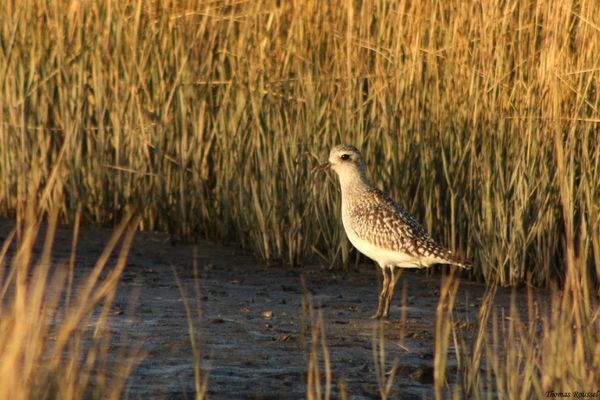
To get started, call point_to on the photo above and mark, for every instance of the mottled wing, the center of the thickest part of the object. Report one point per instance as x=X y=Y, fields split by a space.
x=388 y=225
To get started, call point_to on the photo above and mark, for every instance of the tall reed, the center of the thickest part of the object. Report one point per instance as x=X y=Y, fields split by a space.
x=208 y=116
x=55 y=340
x=193 y=315
x=551 y=348
x=319 y=374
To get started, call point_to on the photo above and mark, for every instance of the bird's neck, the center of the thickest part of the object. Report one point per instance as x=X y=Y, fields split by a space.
x=355 y=181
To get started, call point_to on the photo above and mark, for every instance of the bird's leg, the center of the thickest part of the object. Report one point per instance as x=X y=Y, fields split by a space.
x=383 y=294
x=396 y=273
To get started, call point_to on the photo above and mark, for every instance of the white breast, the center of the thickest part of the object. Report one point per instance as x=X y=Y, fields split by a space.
x=381 y=256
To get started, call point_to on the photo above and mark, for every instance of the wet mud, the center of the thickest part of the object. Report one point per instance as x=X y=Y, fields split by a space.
x=252 y=329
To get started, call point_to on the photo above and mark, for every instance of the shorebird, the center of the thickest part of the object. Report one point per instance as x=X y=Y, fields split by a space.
x=380 y=228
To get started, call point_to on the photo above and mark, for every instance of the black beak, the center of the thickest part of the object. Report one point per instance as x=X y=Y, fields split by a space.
x=320 y=168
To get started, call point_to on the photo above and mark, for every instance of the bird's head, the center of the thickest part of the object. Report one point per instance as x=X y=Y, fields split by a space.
x=346 y=161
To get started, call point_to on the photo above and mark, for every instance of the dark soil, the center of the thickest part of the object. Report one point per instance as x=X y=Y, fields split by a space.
x=254 y=336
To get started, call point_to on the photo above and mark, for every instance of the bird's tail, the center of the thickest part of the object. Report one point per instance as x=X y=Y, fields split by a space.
x=459 y=261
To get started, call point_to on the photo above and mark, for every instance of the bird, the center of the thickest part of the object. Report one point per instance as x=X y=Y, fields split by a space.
x=380 y=228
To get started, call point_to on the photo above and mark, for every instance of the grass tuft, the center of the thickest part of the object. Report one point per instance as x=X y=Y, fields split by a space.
x=55 y=335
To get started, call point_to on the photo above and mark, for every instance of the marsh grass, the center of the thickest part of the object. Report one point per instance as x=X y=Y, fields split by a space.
x=549 y=342
x=193 y=314
x=55 y=335
x=443 y=326
x=535 y=349
x=385 y=378
x=530 y=350
x=208 y=116
x=319 y=374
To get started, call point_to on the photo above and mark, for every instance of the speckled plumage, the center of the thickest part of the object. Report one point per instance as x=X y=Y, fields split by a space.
x=375 y=217
x=380 y=228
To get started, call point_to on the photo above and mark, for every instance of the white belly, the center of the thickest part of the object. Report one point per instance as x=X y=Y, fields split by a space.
x=382 y=256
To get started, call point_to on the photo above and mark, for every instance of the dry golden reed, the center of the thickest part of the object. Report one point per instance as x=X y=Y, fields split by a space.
x=208 y=116
x=55 y=335
x=548 y=347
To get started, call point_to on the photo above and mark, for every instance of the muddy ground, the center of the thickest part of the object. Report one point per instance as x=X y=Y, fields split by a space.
x=254 y=335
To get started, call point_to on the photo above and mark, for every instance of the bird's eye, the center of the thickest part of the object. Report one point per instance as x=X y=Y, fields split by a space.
x=345 y=157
